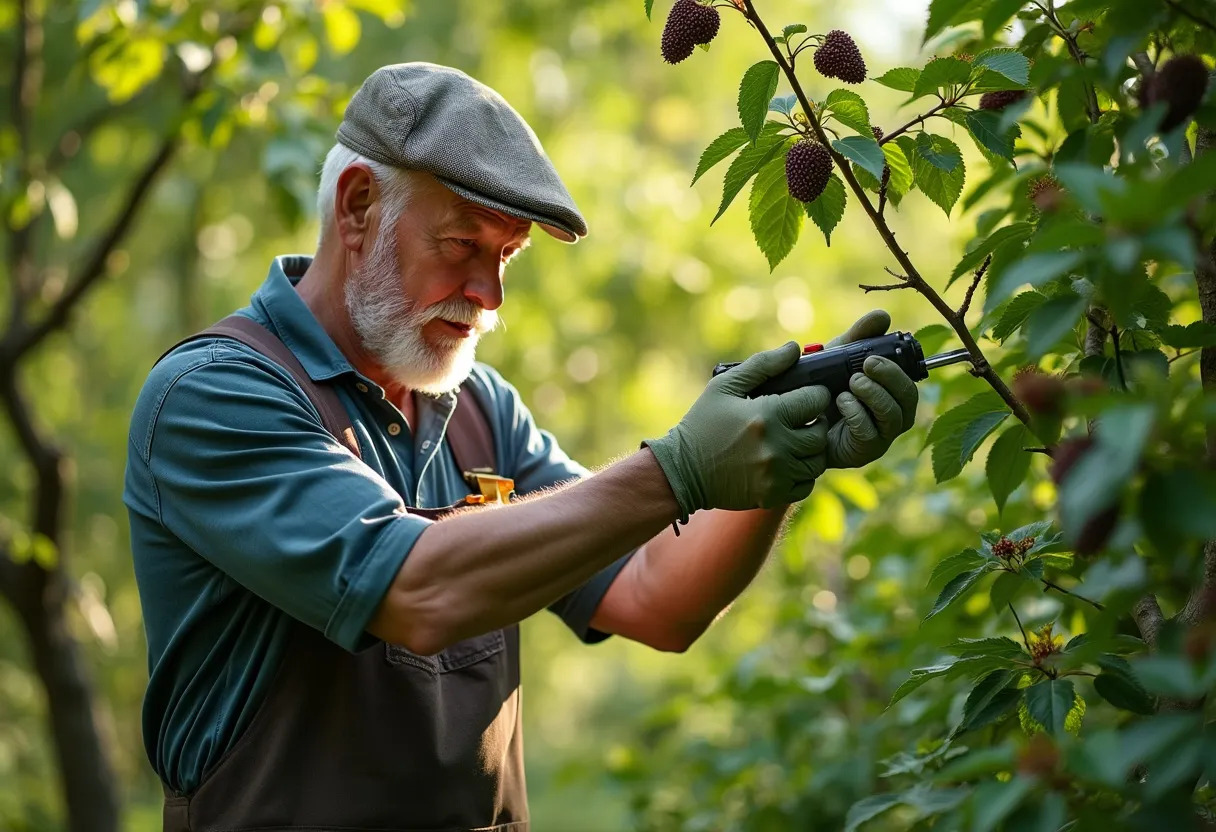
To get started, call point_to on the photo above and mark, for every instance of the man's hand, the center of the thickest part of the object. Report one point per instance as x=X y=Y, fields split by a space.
x=733 y=452
x=881 y=406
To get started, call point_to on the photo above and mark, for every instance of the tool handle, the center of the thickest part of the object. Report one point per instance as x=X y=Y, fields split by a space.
x=833 y=367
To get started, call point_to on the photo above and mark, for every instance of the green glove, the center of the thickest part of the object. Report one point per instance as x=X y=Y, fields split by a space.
x=881 y=406
x=737 y=453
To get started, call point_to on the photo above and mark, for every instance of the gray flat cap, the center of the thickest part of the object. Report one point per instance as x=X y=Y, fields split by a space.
x=437 y=119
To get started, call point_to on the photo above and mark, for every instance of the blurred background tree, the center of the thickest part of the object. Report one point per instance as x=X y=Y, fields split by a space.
x=155 y=155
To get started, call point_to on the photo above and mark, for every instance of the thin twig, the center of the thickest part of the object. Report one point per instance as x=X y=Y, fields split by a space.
x=1050 y=585
x=894 y=273
x=1046 y=451
x=1114 y=337
x=1181 y=354
x=920 y=119
x=1025 y=640
x=1185 y=12
x=979 y=361
x=95 y=266
x=979 y=275
x=883 y=287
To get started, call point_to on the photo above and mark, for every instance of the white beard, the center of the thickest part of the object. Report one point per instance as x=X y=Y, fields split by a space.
x=389 y=324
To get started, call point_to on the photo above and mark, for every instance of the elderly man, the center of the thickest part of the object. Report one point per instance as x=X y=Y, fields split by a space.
x=331 y=606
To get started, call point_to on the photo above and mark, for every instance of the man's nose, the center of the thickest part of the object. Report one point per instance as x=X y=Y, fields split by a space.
x=484 y=286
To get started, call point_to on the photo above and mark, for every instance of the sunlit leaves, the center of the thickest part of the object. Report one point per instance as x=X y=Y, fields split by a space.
x=1007 y=62
x=755 y=92
x=828 y=208
x=938 y=151
x=941 y=186
x=941 y=74
x=776 y=217
x=1048 y=703
x=901 y=78
x=722 y=147
x=957 y=433
x=125 y=65
x=848 y=108
x=342 y=28
x=749 y=161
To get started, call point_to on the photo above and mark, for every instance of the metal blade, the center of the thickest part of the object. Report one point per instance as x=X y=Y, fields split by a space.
x=943 y=359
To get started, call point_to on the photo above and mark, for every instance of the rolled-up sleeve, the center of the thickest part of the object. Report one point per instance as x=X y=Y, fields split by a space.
x=537 y=462
x=245 y=474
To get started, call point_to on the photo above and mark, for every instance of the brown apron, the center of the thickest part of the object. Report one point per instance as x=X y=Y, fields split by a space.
x=384 y=739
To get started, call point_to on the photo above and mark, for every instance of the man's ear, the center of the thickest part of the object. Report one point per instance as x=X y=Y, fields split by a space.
x=354 y=196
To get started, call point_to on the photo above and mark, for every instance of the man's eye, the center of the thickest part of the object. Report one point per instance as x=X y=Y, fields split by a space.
x=466 y=242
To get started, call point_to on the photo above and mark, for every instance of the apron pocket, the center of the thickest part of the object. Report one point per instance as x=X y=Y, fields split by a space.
x=461 y=654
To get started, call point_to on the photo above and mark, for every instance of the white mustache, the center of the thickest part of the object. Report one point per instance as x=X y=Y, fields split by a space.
x=460 y=311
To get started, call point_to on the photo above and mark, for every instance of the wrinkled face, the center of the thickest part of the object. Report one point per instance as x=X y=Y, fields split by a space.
x=430 y=286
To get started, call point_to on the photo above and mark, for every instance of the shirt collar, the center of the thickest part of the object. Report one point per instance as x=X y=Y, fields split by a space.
x=294 y=322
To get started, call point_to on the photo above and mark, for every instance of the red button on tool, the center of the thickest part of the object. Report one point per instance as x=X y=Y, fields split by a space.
x=810 y=348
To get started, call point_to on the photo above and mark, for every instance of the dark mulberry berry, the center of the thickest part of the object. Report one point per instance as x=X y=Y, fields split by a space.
x=1042 y=394
x=1181 y=83
x=808 y=166
x=839 y=57
x=1066 y=454
x=677 y=43
x=1046 y=193
x=877 y=131
x=703 y=24
x=1000 y=100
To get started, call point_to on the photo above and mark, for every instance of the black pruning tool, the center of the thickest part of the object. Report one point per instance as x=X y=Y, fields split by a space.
x=833 y=367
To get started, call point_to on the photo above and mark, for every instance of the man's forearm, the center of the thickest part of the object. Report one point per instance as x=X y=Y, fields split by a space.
x=674 y=587
x=482 y=569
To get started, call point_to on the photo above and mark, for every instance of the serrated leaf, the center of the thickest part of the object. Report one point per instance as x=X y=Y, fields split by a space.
x=849 y=108
x=1004 y=588
x=901 y=170
x=1051 y=322
x=868 y=808
x=756 y=90
x=942 y=13
x=1017 y=232
x=1191 y=336
x=776 y=217
x=1048 y=703
x=941 y=73
x=950 y=431
x=938 y=151
x=902 y=78
x=793 y=29
x=828 y=208
x=749 y=161
x=1035 y=269
x=1015 y=314
x=940 y=186
x=948 y=669
x=863 y=151
x=1008 y=62
x=719 y=149
x=988 y=701
x=985 y=128
x=1008 y=464
x=955 y=589
x=997 y=646
x=956 y=563
x=1117 y=684
x=649 y=6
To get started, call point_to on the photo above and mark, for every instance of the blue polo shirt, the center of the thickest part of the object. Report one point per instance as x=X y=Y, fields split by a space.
x=245 y=513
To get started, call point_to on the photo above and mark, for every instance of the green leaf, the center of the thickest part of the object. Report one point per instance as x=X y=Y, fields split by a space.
x=982 y=694
x=940 y=186
x=921 y=675
x=985 y=128
x=941 y=73
x=748 y=163
x=756 y=90
x=868 y=808
x=995 y=800
x=1008 y=464
x=942 y=13
x=793 y=29
x=863 y=151
x=901 y=78
x=1035 y=269
x=963 y=427
x=776 y=217
x=1001 y=703
x=1004 y=588
x=783 y=104
x=1008 y=62
x=649 y=6
x=1015 y=233
x=1051 y=322
x=849 y=108
x=1049 y=702
x=827 y=208
x=997 y=646
x=901 y=170
x=955 y=589
x=1015 y=314
x=1169 y=676
x=1191 y=336
x=719 y=149
x=938 y=151
x=1118 y=685
x=953 y=565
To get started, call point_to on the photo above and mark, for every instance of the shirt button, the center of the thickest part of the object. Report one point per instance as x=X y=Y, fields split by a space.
x=361 y=387
x=426 y=444
x=394 y=429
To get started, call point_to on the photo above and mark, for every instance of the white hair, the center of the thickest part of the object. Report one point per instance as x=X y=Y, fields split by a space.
x=394 y=184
